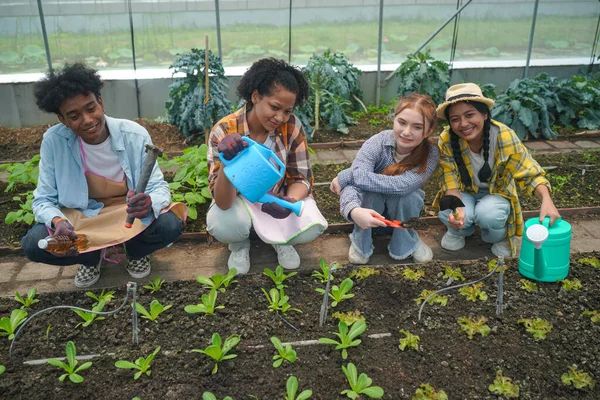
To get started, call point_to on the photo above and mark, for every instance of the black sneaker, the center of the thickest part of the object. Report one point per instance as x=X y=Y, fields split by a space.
x=87 y=275
x=139 y=268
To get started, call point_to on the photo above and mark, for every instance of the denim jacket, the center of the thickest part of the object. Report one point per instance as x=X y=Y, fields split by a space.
x=62 y=183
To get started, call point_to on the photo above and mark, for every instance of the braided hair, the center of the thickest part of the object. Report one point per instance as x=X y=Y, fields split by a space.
x=486 y=171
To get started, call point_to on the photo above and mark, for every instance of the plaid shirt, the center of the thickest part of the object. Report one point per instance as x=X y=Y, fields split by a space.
x=290 y=147
x=513 y=166
x=364 y=175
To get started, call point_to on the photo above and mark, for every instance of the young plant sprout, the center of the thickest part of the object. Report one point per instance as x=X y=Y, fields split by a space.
x=155 y=284
x=339 y=294
x=71 y=365
x=2 y=369
x=538 y=327
x=441 y=300
x=29 y=300
x=411 y=275
x=473 y=326
x=473 y=292
x=360 y=384
x=278 y=276
x=503 y=386
x=107 y=297
x=528 y=285
x=283 y=353
x=571 y=284
x=595 y=315
x=278 y=301
x=48 y=333
x=291 y=388
x=208 y=304
x=9 y=325
x=346 y=336
x=218 y=282
x=218 y=350
x=325 y=271
x=591 y=261
x=210 y=396
x=454 y=274
x=428 y=392
x=349 y=318
x=155 y=310
x=363 y=273
x=141 y=364
x=579 y=379
x=409 y=341
x=89 y=317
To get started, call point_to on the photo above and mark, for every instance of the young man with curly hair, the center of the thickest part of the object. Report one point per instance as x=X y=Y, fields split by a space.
x=89 y=167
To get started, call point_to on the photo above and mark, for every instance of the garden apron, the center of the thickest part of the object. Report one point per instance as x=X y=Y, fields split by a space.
x=108 y=227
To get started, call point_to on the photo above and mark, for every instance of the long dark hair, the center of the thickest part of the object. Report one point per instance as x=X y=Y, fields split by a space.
x=486 y=171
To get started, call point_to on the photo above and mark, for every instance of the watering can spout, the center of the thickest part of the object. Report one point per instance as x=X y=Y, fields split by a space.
x=537 y=235
x=296 y=207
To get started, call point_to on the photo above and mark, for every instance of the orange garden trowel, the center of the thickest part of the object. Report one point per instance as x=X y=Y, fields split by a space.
x=412 y=223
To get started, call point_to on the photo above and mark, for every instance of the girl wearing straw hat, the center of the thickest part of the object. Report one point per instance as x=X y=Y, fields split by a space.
x=483 y=162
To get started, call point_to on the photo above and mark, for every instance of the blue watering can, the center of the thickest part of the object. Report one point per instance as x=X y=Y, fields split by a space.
x=545 y=250
x=254 y=171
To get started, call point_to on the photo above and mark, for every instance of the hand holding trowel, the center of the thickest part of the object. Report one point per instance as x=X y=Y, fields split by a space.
x=451 y=202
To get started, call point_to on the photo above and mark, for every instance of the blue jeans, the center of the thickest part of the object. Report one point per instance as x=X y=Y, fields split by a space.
x=488 y=211
x=161 y=232
x=404 y=242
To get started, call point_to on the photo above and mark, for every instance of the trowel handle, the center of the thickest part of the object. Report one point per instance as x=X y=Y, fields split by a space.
x=296 y=207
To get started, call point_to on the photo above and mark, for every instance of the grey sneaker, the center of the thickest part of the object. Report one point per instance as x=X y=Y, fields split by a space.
x=355 y=257
x=139 y=268
x=502 y=248
x=423 y=253
x=240 y=259
x=287 y=256
x=87 y=275
x=453 y=242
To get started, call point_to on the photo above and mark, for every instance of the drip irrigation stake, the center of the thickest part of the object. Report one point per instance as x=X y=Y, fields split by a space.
x=132 y=286
x=325 y=304
x=500 y=286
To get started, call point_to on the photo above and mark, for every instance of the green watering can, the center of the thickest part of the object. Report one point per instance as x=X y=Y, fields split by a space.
x=545 y=250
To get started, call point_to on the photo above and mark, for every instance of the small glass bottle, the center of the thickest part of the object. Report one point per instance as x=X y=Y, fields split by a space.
x=62 y=243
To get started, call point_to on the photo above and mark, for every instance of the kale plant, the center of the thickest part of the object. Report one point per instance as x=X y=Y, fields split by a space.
x=421 y=73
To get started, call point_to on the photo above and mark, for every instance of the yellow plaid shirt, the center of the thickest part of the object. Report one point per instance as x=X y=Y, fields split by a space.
x=513 y=167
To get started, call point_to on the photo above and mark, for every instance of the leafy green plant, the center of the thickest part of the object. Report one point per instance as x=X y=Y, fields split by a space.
x=579 y=96
x=218 y=350
x=428 y=392
x=349 y=318
x=453 y=273
x=558 y=181
x=29 y=300
x=591 y=261
x=106 y=297
x=25 y=211
x=291 y=388
x=2 y=369
x=325 y=268
x=154 y=285
x=360 y=384
x=339 y=293
x=473 y=292
x=22 y=173
x=283 y=353
x=9 y=325
x=436 y=299
x=217 y=281
x=409 y=341
x=190 y=183
x=208 y=304
x=528 y=285
x=278 y=301
x=579 y=379
x=421 y=73
x=571 y=284
x=363 y=273
x=210 y=396
x=90 y=317
x=71 y=365
x=347 y=336
x=48 y=329
x=503 y=386
x=413 y=275
x=155 y=310
x=187 y=107
x=473 y=326
x=594 y=315
x=141 y=364
x=278 y=276
x=538 y=327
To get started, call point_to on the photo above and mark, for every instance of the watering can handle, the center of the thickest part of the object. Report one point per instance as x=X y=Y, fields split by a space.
x=546 y=221
x=245 y=139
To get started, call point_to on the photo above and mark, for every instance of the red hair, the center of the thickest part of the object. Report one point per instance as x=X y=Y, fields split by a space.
x=424 y=105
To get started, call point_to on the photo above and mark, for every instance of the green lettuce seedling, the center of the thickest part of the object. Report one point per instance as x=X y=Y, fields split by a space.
x=291 y=388
x=571 y=284
x=88 y=317
x=278 y=301
x=360 y=384
x=579 y=379
x=528 y=286
x=363 y=273
x=453 y=273
x=339 y=294
x=10 y=325
x=473 y=292
x=591 y=261
x=428 y=392
x=323 y=275
x=29 y=300
x=70 y=368
x=154 y=285
x=208 y=304
x=218 y=282
x=141 y=364
x=2 y=369
x=441 y=300
x=278 y=276
x=218 y=350
x=346 y=336
x=595 y=315
x=210 y=396
x=503 y=386
x=473 y=326
x=409 y=341
x=412 y=275
x=349 y=318
x=283 y=353
x=155 y=310
x=107 y=297
x=538 y=327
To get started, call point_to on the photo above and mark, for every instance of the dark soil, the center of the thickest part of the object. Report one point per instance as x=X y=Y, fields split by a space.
x=447 y=359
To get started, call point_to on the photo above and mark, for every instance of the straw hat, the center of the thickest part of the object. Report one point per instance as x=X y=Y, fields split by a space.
x=463 y=92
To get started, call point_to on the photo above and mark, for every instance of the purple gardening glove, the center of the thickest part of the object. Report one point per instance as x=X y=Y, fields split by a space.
x=138 y=205
x=275 y=210
x=63 y=227
x=231 y=145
